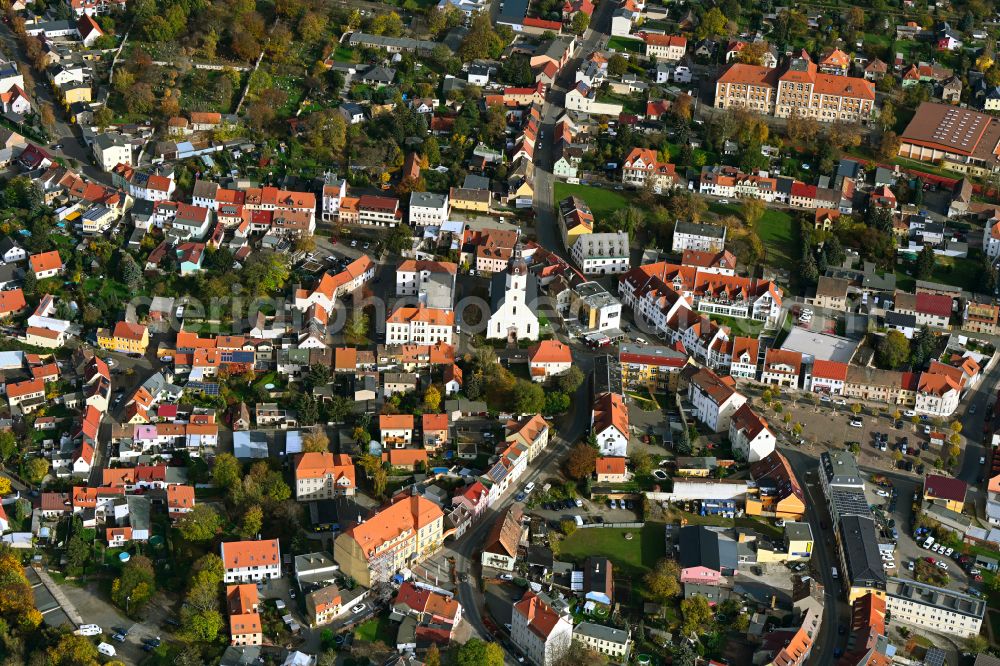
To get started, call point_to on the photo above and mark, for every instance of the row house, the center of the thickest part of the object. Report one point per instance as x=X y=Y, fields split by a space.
x=378 y=211
x=275 y=199
x=142 y=185
x=251 y=561
x=782 y=368
x=750 y=436
x=828 y=377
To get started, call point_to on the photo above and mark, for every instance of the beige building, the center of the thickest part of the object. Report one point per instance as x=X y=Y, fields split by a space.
x=323 y=476
x=395 y=538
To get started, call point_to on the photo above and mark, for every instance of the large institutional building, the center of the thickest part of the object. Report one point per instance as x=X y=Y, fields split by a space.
x=798 y=89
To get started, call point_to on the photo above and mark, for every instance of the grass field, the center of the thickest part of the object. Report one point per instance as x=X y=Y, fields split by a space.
x=625 y=44
x=775 y=231
x=634 y=557
x=602 y=201
x=964 y=273
x=376 y=629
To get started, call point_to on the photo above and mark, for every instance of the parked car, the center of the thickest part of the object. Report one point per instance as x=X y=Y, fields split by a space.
x=357 y=609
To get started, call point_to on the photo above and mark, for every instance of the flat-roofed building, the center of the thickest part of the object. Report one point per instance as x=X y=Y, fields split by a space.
x=937 y=609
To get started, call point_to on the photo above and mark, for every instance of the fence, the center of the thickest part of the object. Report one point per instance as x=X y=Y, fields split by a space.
x=634 y=526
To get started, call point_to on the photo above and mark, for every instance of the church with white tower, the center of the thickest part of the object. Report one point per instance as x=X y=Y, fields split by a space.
x=513 y=296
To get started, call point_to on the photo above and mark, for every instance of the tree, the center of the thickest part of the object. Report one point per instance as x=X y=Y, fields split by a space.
x=482 y=40
x=399 y=239
x=752 y=210
x=130 y=272
x=72 y=650
x=4 y=485
x=925 y=263
x=103 y=117
x=476 y=652
x=893 y=350
x=433 y=655
x=252 y=521
x=135 y=586
x=528 y=397
x=696 y=614
x=856 y=408
x=617 y=65
x=36 y=469
x=316 y=441
x=682 y=443
x=580 y=462
x=264 y=272
x=579 y=654
x=200 y=524
x=663 y=580
x=976 y=644
x=432 y=399
x=201 y=626
x=684 y=655
x=77 y=553
x=556 y=402
x=227 y=471
x=567 y=527
x=889 y=146
x=712 y=23
x=642 y=462
x=356 y=328
x=571 y=380
x=887 y=116
x=580 y=23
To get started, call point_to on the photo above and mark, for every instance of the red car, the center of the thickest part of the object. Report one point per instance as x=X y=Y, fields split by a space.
x=929 y=560
x=978 y=578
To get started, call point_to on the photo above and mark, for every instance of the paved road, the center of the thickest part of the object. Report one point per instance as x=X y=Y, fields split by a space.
x=836 y=611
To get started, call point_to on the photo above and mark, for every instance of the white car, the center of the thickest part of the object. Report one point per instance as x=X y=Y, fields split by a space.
x=857 y=424
x=780 y=522
x=942 y=565
x=825 y=398
x=982 y=460
x=881 y=493
x=357 y=609
x=88 y=630
x=723 y=201
x=948 y=552
x=528 y=488
x=910 y=566
x=839 y=401
x=909 y=412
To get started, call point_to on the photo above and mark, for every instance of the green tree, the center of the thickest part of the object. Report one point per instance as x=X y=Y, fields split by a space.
x=528 y=397
x=135 y=585
x=8 y=444
x=579 y=23
x=265 y=272
x=893 y=350
x=130 y=272
x=200 y=524
x=399 y=239
x=663 y=580
x=617 y=65
x=696 y=614
x=356 y=328
x=201 y=626
x=77 y=553
x=252 y=521
x=642 y=462
x=227 y=471
x=925 y=263
x=319 y=375
x=71 y=650
x=476 y=652
x=712 y=23
x=556 y=402
x=36 y=469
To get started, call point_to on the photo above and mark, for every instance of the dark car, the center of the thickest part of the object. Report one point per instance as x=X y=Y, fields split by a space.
x=920 y=468
x=155 y=642
x=569 y=504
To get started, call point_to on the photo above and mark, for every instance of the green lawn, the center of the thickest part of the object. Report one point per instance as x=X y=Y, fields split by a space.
x=775 y=231
x=633 y=557
x=376 y=629
x=625 y=44
x=964 y=273
x=602 y=201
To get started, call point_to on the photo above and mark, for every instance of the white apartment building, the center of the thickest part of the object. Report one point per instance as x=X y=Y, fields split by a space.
x=612 y=643
x=750 y=435
x=934 y=608
x=246 y=561
x=714 y=399
x=323 y=476
x=414 y=275
x=539 y=631
x=428 y=208
x=419 y=325
x=334 y=191
x=695 y=236
x=602 y=253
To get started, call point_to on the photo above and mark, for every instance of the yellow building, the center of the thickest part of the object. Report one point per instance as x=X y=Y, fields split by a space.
x=393 y=539
x=126 y=338
x=945 y=491
x=76 y=92
x=796 y=547
x=463 y=198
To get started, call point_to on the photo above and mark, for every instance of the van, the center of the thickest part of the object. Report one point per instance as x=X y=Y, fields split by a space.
x=579 y=521
x=929 y=542
x=833 y=570
x=106 y=650
x=88 y=630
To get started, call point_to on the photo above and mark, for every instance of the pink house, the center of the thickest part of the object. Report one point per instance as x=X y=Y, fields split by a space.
x=702 y=575
x=145 y=435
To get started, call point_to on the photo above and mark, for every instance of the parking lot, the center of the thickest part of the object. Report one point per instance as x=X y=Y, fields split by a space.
x=590 y=512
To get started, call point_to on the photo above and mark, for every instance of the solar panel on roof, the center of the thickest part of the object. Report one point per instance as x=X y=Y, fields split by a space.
x=209 y=388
